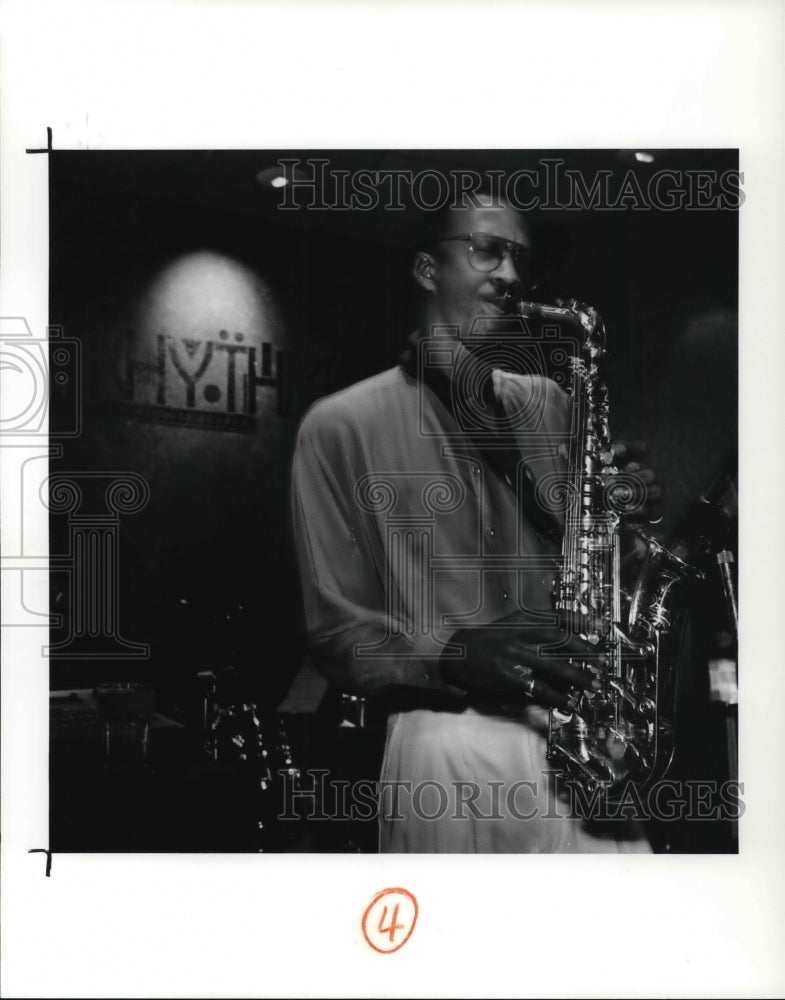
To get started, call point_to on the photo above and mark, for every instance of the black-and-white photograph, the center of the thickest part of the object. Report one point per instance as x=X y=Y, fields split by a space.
x=390 y=498
x=393 y=501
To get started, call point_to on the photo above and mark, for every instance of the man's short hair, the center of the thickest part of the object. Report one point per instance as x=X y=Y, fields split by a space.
x=434 y=223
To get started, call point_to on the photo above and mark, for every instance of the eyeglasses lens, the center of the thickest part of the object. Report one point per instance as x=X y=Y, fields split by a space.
x=486 y=254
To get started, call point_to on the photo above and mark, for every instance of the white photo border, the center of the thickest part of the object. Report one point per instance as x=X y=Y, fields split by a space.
x=184 y=74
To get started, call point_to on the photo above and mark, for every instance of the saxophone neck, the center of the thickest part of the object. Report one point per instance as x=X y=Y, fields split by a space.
x=571 y=311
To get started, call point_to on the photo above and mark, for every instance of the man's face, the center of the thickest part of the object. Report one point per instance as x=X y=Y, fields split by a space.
x=461 y=293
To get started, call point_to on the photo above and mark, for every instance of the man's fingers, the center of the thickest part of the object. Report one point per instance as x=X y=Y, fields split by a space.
x=564 y=641
x=567 y=674
x=629 y=451
x=530 y=662
x=531 y=684
x=544 y=694
x=646 y=476
x=576 y=646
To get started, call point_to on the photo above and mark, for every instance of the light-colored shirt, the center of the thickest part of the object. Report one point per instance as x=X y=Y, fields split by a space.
x=410 y=525
x=406 y=529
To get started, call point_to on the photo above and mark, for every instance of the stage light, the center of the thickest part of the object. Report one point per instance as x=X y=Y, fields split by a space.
x=278 y=176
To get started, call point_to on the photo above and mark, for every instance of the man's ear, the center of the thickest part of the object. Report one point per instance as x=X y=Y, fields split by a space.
x=423 y=270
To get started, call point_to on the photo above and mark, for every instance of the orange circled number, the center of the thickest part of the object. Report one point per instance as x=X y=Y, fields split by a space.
x=389 y=920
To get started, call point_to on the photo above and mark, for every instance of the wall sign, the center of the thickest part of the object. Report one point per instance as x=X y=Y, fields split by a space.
x=197 y=382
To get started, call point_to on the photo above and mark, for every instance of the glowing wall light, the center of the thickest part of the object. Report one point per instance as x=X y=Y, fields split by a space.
x=206 y=334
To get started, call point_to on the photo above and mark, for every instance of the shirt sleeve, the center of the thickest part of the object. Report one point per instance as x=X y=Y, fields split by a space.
x=342 y=568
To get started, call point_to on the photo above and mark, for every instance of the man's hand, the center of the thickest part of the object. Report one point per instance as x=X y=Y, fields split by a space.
x=513 y=657
x=640 y=493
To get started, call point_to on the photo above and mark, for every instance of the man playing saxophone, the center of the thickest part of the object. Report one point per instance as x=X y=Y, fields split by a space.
x=428 y=547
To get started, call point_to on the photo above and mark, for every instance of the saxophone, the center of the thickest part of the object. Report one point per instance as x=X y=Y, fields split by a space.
x=625 y=731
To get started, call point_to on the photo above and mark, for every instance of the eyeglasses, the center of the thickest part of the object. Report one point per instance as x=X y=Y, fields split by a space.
x=486 y=252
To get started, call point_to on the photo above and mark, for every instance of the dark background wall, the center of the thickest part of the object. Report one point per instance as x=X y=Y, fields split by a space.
x=184 y=246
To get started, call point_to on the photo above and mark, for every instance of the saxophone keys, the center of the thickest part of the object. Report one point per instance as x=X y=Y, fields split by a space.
x=646 y=708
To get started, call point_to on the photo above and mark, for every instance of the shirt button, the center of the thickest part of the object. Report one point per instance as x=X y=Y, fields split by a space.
x=505 y=595
x=476 y=470
x=490 y=531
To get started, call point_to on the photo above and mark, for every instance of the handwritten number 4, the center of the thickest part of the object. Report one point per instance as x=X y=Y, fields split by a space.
x=391 y=927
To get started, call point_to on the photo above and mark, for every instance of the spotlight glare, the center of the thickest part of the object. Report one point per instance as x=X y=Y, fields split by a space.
x=279 y=181
x=643 y=157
